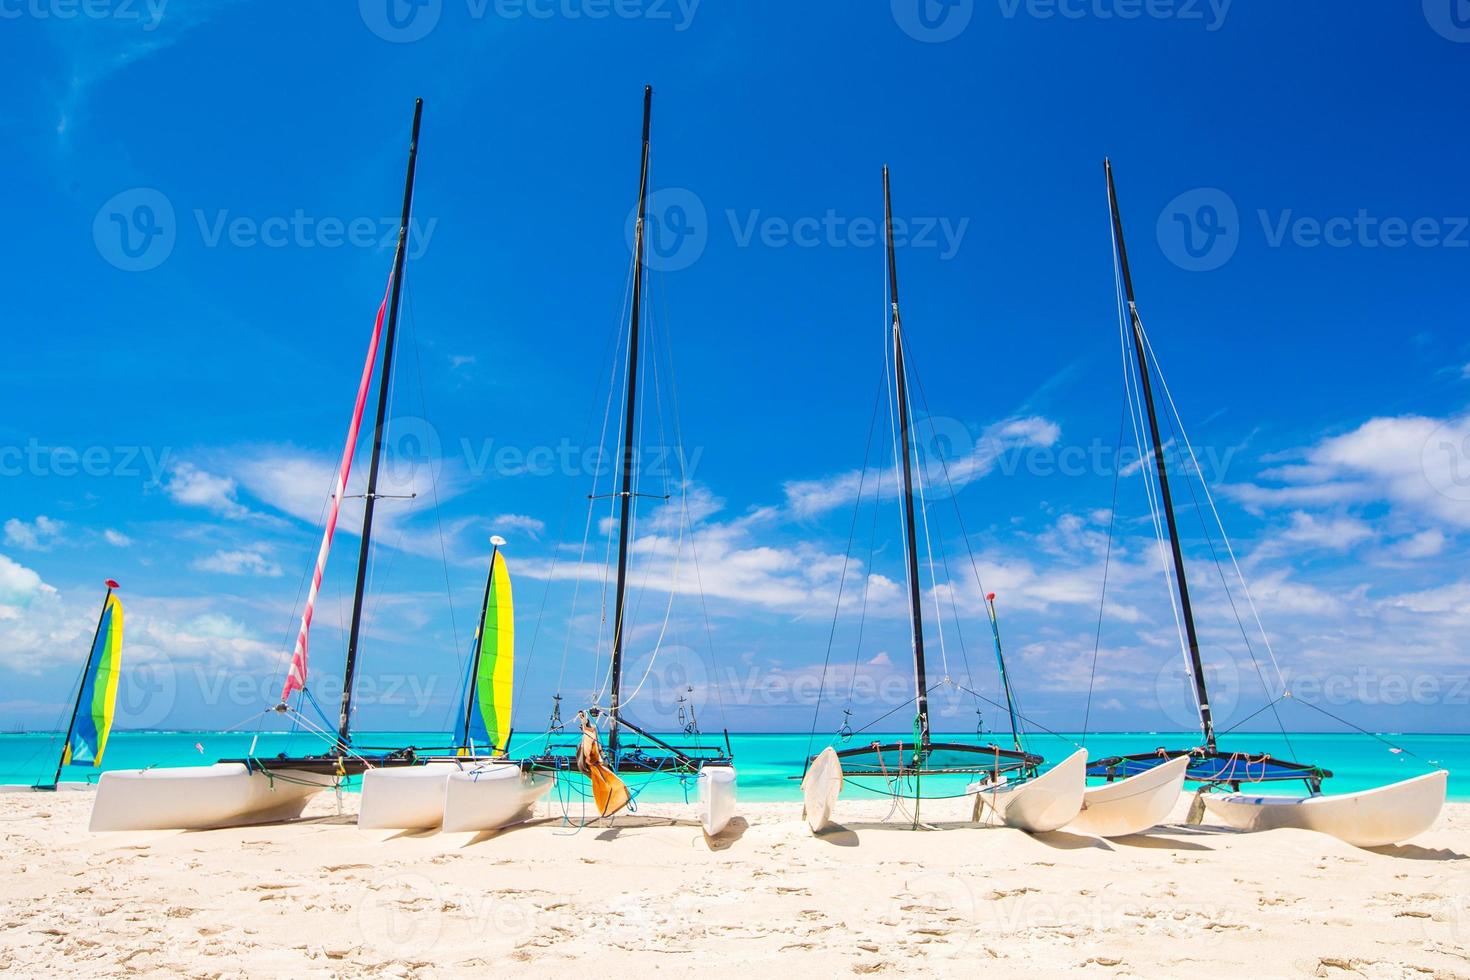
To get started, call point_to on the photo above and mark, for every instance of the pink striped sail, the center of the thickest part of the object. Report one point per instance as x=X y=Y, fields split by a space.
x=296 y=678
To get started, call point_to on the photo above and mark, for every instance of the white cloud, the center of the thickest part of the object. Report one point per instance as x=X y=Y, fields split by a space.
x=117 y=539
x=530 y=526
x=241 y=562
x=39 y=535
x=1334 y=534
x=194 y=487
x=1417 y=465
x=32 y=625
x=959 y=466
x=1425 y=544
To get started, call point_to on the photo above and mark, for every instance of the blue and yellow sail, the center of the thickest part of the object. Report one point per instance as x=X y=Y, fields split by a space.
x=486 y=706
x=97 y=699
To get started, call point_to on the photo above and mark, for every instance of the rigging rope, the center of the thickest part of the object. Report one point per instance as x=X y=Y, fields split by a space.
x=1209 y=497
x=1107 y=567
x=842 y=583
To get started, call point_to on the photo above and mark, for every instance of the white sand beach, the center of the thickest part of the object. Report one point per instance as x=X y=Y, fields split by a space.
x=649 y=894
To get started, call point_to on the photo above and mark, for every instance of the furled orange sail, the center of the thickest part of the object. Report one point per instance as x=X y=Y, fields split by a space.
x=608 y=791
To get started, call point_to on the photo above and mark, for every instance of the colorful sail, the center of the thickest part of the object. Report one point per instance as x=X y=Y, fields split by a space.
x=296 y=677
x=98 y=696
x=486 y=707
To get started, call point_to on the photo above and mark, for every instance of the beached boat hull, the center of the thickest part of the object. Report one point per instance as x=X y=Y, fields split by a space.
x=1132 y=805
x=820 y=788
x=716 y=798
x=1048 y=802
x=227 y=794
x=492 y=796
x=410 y=798
x=1372 y=818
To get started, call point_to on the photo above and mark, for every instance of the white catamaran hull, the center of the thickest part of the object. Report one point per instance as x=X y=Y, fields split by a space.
x=199 y=797
x=489 y=797
x=408 y=798
x=1048 y=802
x=1132 y=805
x=1372 y=818
x=820 y=788
x=716 y=798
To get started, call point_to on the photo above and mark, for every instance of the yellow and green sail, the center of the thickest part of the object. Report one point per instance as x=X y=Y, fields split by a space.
x=485 y=709
x=98 y=696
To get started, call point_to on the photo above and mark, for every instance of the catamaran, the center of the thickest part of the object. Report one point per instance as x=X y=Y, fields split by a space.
x=1009 y=781
x=488 y=794
x=633 y=751
x=254 y=789
x=93 y=711
x=476 y=788
x=1140 y=789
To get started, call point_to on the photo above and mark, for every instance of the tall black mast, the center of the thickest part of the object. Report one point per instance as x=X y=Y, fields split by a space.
x=71 y=726
x=345 y=718
x=625 y=502
x=916 y=616
x=1206 y=719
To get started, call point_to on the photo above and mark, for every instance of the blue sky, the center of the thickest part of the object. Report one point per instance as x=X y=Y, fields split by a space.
x=1291 y=177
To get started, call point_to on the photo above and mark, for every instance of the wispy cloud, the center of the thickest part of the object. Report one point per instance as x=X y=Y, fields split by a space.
x=249 y=562
x=953 y=460
x=38 y=535
x=192 y=486
x=1415 y=464
x=529 y=526
x=110 y=38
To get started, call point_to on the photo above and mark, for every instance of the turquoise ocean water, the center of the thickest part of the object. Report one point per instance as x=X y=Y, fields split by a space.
x=766 y=761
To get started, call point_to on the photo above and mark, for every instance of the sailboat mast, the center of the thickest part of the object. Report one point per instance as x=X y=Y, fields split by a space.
x=625 y=497
x=370 y=502
x=1005 y=677
x=469 y=700
x=916 y=617
x=71 y=726
x=1206 y=719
